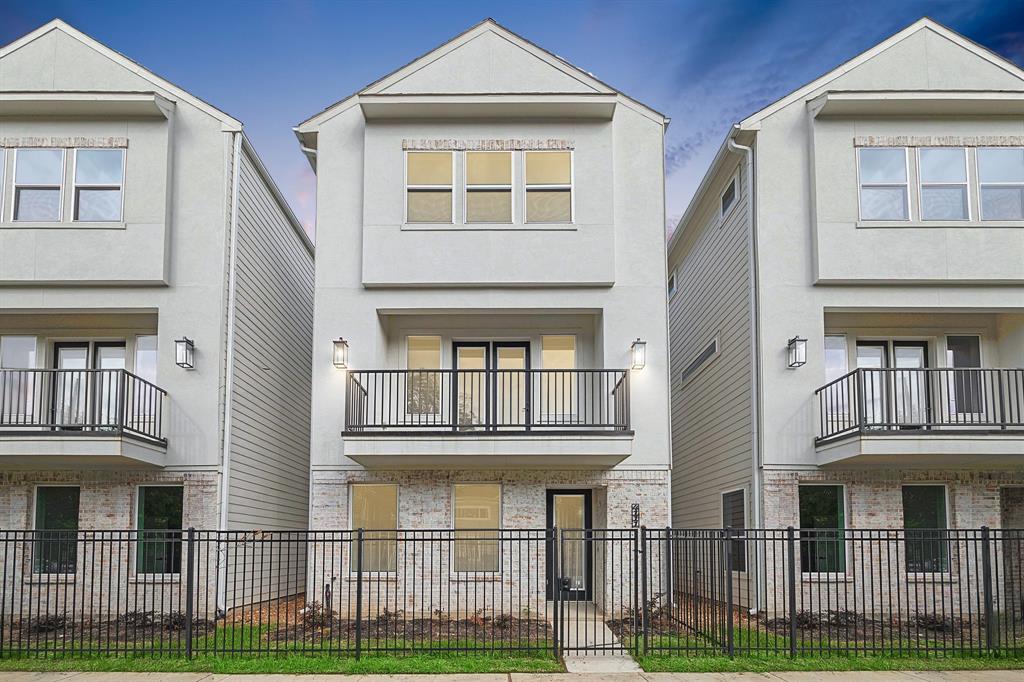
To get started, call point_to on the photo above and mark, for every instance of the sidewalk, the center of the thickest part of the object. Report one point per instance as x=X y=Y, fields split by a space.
x=901 y=676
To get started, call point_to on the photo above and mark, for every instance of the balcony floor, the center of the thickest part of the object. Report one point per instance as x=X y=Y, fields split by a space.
x=78 y=449
x=946 y=448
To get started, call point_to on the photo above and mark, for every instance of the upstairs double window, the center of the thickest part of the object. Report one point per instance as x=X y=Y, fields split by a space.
x=489 y=187
x=96 y=181
x=953 y=184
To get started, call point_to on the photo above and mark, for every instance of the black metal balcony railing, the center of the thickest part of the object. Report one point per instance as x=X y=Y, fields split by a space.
x=897 y=399
x=80 y=401
x=495 y=401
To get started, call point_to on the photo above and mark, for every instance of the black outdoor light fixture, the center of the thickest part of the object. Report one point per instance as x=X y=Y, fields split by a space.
x=797 y=347
x=638 y=351
x=340 y=353
x=185 y=353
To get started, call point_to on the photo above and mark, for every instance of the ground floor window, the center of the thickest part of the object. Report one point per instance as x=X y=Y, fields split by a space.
x=375 y=510
x=55 y=549
x=477 y=518
x=924 y=517
x=822 y=519
x=734 y=515
x=159 y=524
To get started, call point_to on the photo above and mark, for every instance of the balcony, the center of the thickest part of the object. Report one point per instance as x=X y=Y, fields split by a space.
x=71 y=417
x=488 y=418
x=925 y=417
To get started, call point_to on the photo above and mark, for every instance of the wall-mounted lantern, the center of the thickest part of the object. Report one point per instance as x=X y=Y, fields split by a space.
x=185 y=353
x=340 y=353
x=797 y=347
x=638 y=352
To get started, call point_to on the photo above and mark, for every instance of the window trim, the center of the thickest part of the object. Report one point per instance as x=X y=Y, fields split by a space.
x=352 y=568
x=134 y=573
x=983 y=185
x=406 y=186
x=966 y=184
x=501 y=526
x=571 y=187
x=75 y=186
x=15 y=185
x=466 y=187
x=905 y=185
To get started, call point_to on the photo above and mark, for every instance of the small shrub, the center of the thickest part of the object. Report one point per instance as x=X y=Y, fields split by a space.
x=315 y=615
x=49 y=623
x=137 y=619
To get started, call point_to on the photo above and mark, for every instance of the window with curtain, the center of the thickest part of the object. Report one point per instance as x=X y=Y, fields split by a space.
x=159 y=524
x=548 y=187
x=423 y=385
x=488 y=187
x=822 y=520
x=557 y=382
x=477 y=517
x=883 y=183
x=375 y=510
x=924 y=518
x=428 y=187
x=55 y=549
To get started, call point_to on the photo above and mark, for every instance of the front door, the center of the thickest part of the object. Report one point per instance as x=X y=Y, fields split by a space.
x=491 y=400
x=569 y=511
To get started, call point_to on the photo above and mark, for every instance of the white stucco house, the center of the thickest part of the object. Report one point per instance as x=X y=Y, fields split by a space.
x=155 y=308
x=490 y=343
x=847 y=315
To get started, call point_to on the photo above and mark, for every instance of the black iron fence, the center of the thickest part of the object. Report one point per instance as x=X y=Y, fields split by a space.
x=80 y=401
x=715 y=592
x=481 y=401
x=911 y=399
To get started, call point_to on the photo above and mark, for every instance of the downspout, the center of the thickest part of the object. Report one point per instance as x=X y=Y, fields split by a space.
x=755 y=347
x=229 y=375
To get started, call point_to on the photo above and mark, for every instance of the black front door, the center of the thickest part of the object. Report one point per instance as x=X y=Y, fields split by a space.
x=570 y=512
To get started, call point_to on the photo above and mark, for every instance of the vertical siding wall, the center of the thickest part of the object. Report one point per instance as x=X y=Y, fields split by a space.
x=711 y=438
x=269 y=472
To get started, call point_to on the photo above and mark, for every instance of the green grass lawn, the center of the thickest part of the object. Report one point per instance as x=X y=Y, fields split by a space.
x=771 y=663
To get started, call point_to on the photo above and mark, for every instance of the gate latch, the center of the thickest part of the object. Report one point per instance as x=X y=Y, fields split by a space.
x=565 y=584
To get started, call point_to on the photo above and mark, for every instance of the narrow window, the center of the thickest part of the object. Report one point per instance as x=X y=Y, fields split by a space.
x=423 y=385
x=924 y=518
x=159 y=525
x=145 y=357
x=99 y=174
x=966 y=391
x=728 y=197
x=943 y=177
x=488 y=187
x=822 y=520
x=549 y=187
x=38 y=177
x=703 y=357
x=734 y=516
x=478 y=514
x=883 y=183
x=55 y=549
x=375 y=510
x=18 y=388
x=558 y=378
x=429 y=187
x=835 y=357
x=1001 y=178
x=671 y=285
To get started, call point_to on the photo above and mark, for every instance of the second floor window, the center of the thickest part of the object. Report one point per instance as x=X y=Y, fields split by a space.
x=943 y=173
x=38 y=176
x=428 y=187
x=488 y=187
x=1001 y=178
x=98 y=178
x=549 y=187
x=883 y=183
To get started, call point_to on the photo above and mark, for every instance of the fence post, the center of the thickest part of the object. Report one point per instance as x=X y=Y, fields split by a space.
x=986 y=569
x=634 y=584
x=729 y=630
x=862 y=404
x=669 y=577
x=190 y=582
x=1002 y=399
x=645 y=615
x=556 y=591
x=359 y=592
x=791 y=580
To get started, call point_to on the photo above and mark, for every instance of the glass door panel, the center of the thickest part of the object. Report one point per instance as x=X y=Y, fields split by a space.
x=964 y=390
x=70 y=404
x=570 y=512
x=107 y=356
x=511 y=405
x=874 y=355
x=471 y=403
x=910 y=385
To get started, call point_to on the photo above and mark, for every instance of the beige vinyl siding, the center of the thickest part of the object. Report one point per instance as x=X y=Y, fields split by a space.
x=269 y=471
x=711 y=419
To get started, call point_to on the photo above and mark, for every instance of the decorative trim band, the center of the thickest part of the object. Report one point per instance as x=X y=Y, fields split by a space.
x=938 y=141
x=65 y=142
x=486 y=145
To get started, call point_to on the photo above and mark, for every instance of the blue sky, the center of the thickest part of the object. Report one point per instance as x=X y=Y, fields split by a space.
x=706 y=63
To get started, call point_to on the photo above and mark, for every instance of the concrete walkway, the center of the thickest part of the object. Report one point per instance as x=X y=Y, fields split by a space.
x=903 y=676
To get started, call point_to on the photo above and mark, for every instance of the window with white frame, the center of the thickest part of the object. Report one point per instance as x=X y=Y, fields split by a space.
x=1001 y=183
x=548 y=186
x=428 y=187
x=943 y=178
x=729 y=197
x=375 y=509
x=98 y=181
x=38 y=180
x=488 y=187
x=882 y=178
x=477 y=520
